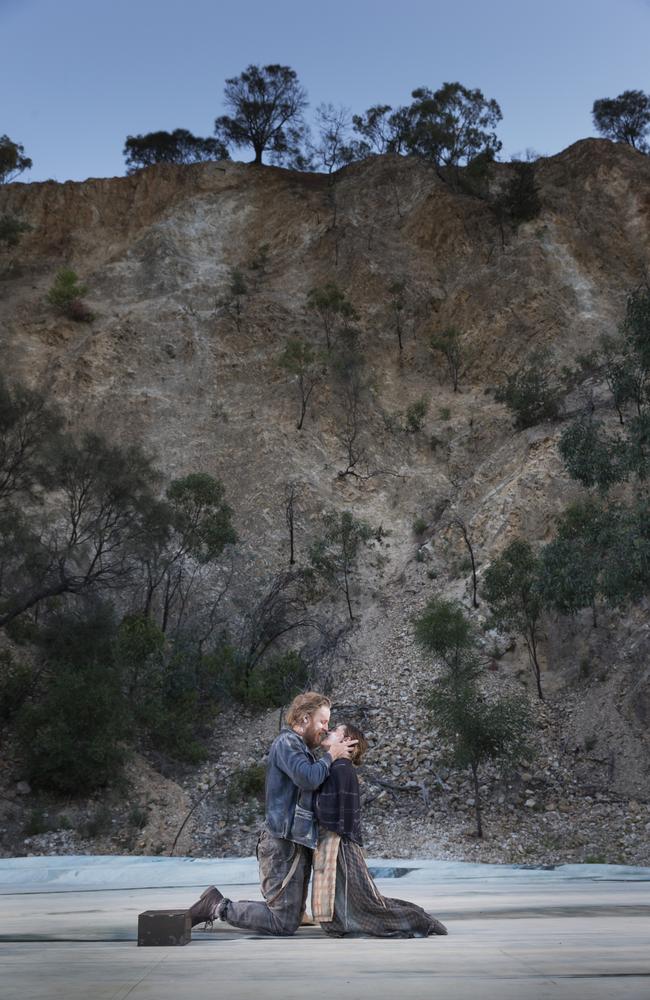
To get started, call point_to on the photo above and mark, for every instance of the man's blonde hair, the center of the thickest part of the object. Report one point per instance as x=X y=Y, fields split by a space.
x=306 y=704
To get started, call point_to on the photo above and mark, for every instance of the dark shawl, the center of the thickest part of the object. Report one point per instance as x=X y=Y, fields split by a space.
x=338 y=805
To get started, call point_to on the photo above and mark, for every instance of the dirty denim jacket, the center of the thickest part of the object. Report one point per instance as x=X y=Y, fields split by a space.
x=292 y=776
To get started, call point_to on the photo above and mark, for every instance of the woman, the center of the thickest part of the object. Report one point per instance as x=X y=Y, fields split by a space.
x=345 y=899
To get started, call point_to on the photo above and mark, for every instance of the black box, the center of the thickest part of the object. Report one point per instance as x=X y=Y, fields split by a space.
x=164 y=927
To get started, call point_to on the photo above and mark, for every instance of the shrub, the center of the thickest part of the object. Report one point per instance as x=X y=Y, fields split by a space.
x=73 y=738
x=247 y=783
x=97 y=824
x=420 y=526
x=15 y=685
x=415 y=415
x=519 y=201
x=66 y=294
x=11 y=229
x=36 y=823
x=530 y=394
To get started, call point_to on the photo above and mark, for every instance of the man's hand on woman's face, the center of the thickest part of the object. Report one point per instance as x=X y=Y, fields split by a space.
x=339 y=745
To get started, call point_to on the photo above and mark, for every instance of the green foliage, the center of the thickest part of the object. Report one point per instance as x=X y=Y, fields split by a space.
x=179 y=146
x=591 y=455
x=247 y=783
x=636 y=327
x=16 y=685
x=448 y=344
x=511 y=587
x=531 y=394
x=334 y=556
x=11 y=229
x=601 y=551
x=237 y=289
x=138 y=817
x=453 y=126
x=277 y=680
x=73 y=737
x=420 y=525
x=37 y=822
x=415 y=414
x=444 y=413
x=382 y=129
x=98 y=824
x=519 y=201
x=444 y=630
x=66 y=295
x=625 y=118
x=332 y=306
x=266 y=105
x=476 y=727
x=570 y=564
x=303 y=363
x=12 y=160
x=201 y=516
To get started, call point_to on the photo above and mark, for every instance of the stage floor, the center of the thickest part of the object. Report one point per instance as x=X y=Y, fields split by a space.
x=68 y=929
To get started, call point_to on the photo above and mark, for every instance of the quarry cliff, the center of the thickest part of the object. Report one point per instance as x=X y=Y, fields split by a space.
x=169 y=363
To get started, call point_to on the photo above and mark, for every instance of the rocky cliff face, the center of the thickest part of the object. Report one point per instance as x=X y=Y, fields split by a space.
x=165 y=361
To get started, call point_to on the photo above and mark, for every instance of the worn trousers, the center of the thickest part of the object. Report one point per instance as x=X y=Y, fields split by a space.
x=283 y=908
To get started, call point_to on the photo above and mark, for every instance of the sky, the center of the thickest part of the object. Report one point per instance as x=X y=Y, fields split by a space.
x=79 y=76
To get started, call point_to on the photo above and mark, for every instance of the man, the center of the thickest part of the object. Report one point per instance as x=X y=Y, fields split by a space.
x=285 y=847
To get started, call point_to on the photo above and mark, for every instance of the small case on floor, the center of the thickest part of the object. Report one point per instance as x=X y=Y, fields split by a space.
x=164 y=927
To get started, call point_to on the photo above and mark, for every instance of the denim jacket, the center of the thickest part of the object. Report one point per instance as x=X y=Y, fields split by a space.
x=292 y=776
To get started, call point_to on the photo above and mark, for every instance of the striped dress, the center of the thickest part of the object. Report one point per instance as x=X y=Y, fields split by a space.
x=345 y=900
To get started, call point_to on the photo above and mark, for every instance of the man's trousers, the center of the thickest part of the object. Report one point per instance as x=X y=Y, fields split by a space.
x=285 y=868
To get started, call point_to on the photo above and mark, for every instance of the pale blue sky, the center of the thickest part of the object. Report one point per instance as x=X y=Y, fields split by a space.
x=78 y=76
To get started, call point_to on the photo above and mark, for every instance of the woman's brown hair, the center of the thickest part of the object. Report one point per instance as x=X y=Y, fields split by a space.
x=360 y=747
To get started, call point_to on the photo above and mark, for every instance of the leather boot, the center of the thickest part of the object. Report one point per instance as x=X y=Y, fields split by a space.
x=205 y=908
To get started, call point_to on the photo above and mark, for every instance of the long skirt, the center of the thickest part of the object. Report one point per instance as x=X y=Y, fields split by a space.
x=360 y=909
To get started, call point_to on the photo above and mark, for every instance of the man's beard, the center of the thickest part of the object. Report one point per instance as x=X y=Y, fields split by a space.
x=313 y=738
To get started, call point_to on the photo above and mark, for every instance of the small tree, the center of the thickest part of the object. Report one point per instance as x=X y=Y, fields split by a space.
x=415 y=414
x=519 y=200
x=191 y=527
x=448 y=344
x=12 y=160
x=72 y=736
x=530 y=393
x=300 y=361
x=459 y=523
x=179 y=146
x=477 y=729
x=625 y=118
x=382 y=129
x=291 y=493
x=11 y=230
x=266 y=104
x=570 y=565
x=331 y=305
x=453 y=127
x=511 y=587
x=593 y=456
x=335 y=554
x=397 y=306
x=237 y=289
x=445 y=631
x=335 y=147
x=66 y=295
